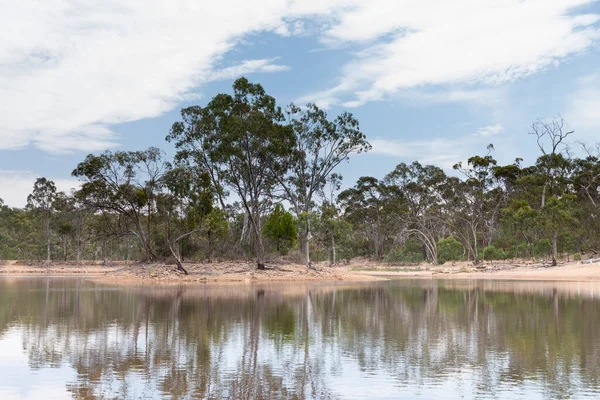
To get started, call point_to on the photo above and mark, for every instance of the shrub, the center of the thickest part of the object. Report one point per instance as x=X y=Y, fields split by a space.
x=449 y=249
x=281 y=228
x=492 y=253
x=542 y=247
x=577 y=257
x=403 y=256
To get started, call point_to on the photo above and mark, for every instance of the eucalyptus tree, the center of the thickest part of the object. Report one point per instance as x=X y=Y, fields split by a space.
x=64 y=227
x=185 y=206
x=333 y=227
x=482 y=200
x=243 y=142
x=124 y=184
x=424 y=189
x=320 y=147
x=369 y=207
x=41 y=201
x=553 y=171
x=550 y=138
x=586 y=180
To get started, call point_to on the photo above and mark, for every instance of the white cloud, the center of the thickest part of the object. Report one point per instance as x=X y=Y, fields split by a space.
x=489 y=130
x=68 y=70
x=15 y=186
x=442 y=152
x=438 y=151
x=583 y=107
x=71 y=69
x=408 y=44
x=247 y=67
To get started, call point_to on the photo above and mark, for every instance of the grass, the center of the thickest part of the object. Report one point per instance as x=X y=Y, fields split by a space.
x=388 y=269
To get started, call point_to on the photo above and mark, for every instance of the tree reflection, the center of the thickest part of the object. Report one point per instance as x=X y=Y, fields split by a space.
x=296 y=342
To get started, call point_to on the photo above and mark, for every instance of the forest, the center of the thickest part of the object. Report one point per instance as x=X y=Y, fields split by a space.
x=254 y=181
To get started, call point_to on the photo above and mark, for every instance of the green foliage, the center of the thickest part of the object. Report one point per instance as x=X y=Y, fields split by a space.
x=281 y=228
x=241 y=153
x=492 y=253
x=542 y=247
x=449 y=249
x=403 y=256
x=577 y=256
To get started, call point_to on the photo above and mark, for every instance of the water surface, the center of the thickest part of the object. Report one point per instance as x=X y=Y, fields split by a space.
x=70 y=338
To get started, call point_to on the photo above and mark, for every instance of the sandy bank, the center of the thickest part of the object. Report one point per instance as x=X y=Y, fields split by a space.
x=574 y=271
x=245 y=272
x=221 y=272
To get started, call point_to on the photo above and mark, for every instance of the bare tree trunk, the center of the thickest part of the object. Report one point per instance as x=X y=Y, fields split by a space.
x=47 y=239
x=554 y=248
x=333 y=249
x=260 y=252
x=544 y=194
x=259 y=243
x=177 y=260
x=307 y=237
x=176 y=254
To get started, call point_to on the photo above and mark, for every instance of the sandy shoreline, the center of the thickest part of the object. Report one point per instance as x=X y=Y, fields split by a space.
x=243 y=272
x=574 y=271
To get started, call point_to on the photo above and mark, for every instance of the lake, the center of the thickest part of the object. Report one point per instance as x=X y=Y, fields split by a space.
x=410 y=339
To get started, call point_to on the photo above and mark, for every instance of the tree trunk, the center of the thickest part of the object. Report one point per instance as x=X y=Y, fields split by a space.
x=48 y=240
x=260 y=252
x=307 y=250
x=260 y=246
x=78 y=251
x=544 y=195
x=307 y=237
x=554 y=248
x=177 y=259
x=334 y=251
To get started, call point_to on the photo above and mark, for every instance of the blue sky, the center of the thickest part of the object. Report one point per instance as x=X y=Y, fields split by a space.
x=433 y=81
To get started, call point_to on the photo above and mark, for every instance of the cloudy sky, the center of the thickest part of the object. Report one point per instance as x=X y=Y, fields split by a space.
x=431 y=80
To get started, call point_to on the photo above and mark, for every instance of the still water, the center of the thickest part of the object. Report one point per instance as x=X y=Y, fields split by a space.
x=70 y=338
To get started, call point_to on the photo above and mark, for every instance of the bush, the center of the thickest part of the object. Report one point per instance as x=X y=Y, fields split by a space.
x=542 y=247
x=577 y=257
x=281 y=228
x=492 y=253
x=403 y=256
x=449 y=249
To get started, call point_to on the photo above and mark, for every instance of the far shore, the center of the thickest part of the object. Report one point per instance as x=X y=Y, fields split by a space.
x=245 y=272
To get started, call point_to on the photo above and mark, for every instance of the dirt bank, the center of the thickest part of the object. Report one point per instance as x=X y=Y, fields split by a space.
x=357 y=271
x=524 y=271
x=223 y=272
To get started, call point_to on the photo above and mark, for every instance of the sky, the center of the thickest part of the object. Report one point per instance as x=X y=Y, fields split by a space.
x=429 y=80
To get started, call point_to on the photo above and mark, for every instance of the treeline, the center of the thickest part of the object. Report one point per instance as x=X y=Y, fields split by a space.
x=251 y=180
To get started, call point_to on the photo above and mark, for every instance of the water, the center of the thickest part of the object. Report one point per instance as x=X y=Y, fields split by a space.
x=70 y=338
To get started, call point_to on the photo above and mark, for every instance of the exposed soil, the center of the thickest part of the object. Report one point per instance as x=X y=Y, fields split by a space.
x=517 y=270
x=231 y=271
x=357 y=271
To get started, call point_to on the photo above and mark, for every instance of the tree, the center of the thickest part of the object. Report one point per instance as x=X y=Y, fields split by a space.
x=320 y=146
x=187 y=202
x=482 y=200
x=124 y=183
x=41 y=201
x=281 y=228
x=425 y=192
x=332 y=225
x=550 y=136
x=368 y=207
x=555 y=219
x=245 y=144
